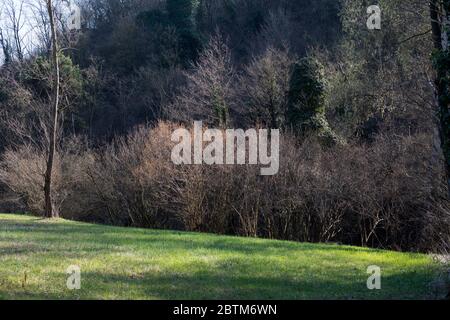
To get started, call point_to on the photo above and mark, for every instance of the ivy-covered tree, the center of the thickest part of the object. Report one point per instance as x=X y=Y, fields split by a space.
x=306 y=107
x=440 y=23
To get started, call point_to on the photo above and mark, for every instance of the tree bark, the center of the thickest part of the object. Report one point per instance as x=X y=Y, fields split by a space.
x=50 y=211
x=440 y=23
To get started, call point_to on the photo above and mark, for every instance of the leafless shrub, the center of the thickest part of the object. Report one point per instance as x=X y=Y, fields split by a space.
x=23 y=172
x=130 y=180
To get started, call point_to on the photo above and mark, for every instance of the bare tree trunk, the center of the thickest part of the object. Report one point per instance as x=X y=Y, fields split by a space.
x=5 y=48
x=435 y=24
x=50 y=211
x=440 y=23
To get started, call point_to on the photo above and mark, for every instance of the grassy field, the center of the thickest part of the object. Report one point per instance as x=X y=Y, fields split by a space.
x=121 y=263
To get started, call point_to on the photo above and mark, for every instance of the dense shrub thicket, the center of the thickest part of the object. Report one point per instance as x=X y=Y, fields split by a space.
x=385 y=194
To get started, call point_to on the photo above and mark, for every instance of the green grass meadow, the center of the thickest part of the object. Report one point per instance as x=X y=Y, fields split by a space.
x=126 y=263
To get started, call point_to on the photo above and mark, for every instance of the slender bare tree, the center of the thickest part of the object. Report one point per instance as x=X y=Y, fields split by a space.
x=41 y=25
x=49 y=209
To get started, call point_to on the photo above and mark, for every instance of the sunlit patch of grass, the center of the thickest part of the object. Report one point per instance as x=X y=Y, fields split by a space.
x=126 y=263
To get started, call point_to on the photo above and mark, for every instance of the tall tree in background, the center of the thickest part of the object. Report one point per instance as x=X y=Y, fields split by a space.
x=440 y=23
x=209 y=91
x=49 y=209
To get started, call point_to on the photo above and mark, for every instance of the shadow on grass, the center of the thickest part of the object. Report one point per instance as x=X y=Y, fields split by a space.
x=151 y=286
x=125 y=236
